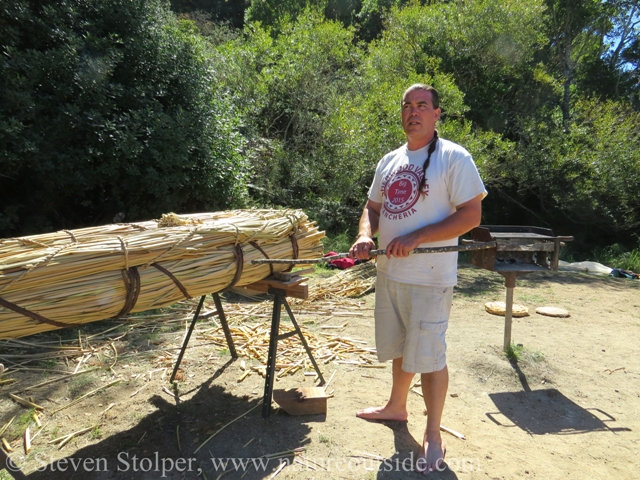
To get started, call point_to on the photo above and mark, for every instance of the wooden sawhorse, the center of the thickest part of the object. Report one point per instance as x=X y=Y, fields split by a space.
x=280 y=290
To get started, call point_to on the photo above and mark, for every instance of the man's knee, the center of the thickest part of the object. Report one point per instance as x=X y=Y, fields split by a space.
x=435 y=376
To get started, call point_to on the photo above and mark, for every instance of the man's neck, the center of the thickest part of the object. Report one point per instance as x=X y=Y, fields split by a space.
x=417 y=144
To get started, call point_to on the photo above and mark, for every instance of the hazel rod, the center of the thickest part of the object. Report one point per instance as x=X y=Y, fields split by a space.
x=374 y=253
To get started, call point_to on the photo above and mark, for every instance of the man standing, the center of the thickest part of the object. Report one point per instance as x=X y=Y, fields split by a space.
x=424 y=194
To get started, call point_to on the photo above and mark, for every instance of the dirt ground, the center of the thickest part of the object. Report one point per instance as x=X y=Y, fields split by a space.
x=566 y=409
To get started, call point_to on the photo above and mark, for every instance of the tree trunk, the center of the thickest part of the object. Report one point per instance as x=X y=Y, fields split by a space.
x=568 y=78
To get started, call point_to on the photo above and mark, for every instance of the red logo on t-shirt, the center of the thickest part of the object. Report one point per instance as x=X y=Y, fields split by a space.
x=401 y=190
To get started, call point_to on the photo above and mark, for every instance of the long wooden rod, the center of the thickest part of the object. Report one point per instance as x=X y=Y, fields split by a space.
x=374 y=253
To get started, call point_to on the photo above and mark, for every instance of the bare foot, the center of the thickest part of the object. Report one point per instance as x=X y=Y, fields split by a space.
x=382 y=413
x=432 y=456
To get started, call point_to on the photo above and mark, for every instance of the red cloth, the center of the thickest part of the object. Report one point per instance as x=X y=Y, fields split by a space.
x=341 y=263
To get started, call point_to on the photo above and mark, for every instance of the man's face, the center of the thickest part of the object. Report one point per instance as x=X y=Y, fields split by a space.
x=419 y=117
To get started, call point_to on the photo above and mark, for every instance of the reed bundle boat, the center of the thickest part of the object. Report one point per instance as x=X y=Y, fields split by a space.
x=73 y=277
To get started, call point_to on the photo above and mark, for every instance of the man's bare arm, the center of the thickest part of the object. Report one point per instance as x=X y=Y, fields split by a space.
x=466 y=217
x=369 y=222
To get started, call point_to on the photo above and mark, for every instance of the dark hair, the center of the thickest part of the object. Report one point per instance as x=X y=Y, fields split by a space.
x=435 y=97
x=425 y=165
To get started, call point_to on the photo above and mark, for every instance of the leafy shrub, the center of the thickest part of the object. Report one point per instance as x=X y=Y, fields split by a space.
x=109 y=106
x=584 y=181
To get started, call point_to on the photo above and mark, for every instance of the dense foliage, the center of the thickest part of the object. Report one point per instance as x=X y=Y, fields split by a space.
x=296 y=100
x=109 y=107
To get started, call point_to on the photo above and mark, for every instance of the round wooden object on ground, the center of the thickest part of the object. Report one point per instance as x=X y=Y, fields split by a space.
x=553 y=312
x=499 y=308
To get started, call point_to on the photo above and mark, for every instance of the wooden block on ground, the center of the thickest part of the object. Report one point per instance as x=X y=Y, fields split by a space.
x=302 y=401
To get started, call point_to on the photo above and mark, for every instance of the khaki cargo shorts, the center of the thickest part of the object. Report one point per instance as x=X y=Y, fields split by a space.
x=411 y=322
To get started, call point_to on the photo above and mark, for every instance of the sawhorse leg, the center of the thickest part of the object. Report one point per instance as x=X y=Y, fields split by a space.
x=225 y=327
x=279 y=299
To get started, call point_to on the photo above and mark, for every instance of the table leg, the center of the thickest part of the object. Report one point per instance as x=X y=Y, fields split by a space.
x=508 y=316
x=510 y=283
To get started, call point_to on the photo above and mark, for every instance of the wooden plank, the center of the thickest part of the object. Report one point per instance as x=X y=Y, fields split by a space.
x=297 y=290
x=281 y=283
x=518 y=267
x=288 y=276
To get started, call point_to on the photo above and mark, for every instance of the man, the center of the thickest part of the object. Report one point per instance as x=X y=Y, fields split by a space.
x=424 y=194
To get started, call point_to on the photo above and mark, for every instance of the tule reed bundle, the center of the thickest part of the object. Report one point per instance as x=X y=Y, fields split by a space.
x=72 y=277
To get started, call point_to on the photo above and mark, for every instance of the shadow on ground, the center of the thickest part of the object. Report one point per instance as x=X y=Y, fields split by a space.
x=402 y=464
x=150 y=450
x=547 y=411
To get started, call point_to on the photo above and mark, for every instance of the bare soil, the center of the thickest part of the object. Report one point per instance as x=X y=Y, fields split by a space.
x=567 y=408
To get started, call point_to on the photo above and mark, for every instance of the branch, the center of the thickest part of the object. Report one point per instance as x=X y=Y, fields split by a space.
x=626 y=28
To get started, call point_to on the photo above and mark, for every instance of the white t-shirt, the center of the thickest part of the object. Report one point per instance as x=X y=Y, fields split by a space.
x=452 y=179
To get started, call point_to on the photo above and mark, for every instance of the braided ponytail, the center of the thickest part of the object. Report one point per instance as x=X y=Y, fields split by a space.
x=432 y=148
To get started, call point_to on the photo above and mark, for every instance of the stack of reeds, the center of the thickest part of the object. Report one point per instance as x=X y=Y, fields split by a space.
x=352 y=282
x=73 y=277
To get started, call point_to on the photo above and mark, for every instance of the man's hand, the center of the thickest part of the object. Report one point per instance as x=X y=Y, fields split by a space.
x=466 y=216
x=367 y=229
x=360 y=249
x=402 y=246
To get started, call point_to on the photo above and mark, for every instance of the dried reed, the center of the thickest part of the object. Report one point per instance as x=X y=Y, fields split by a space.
x=353 y=282
x=74 y=277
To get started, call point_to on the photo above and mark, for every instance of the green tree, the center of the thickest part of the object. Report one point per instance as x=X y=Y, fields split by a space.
x=215 y=11
x=631 y=57
x=522 y=84
x=109 y=107
x=576 y=29
x=624 y=55
x=367 y=124
x=625 y=31
x=585 y=181
x=288 y=86
x=367 y=16
x=274 y=13
x=487 y=47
